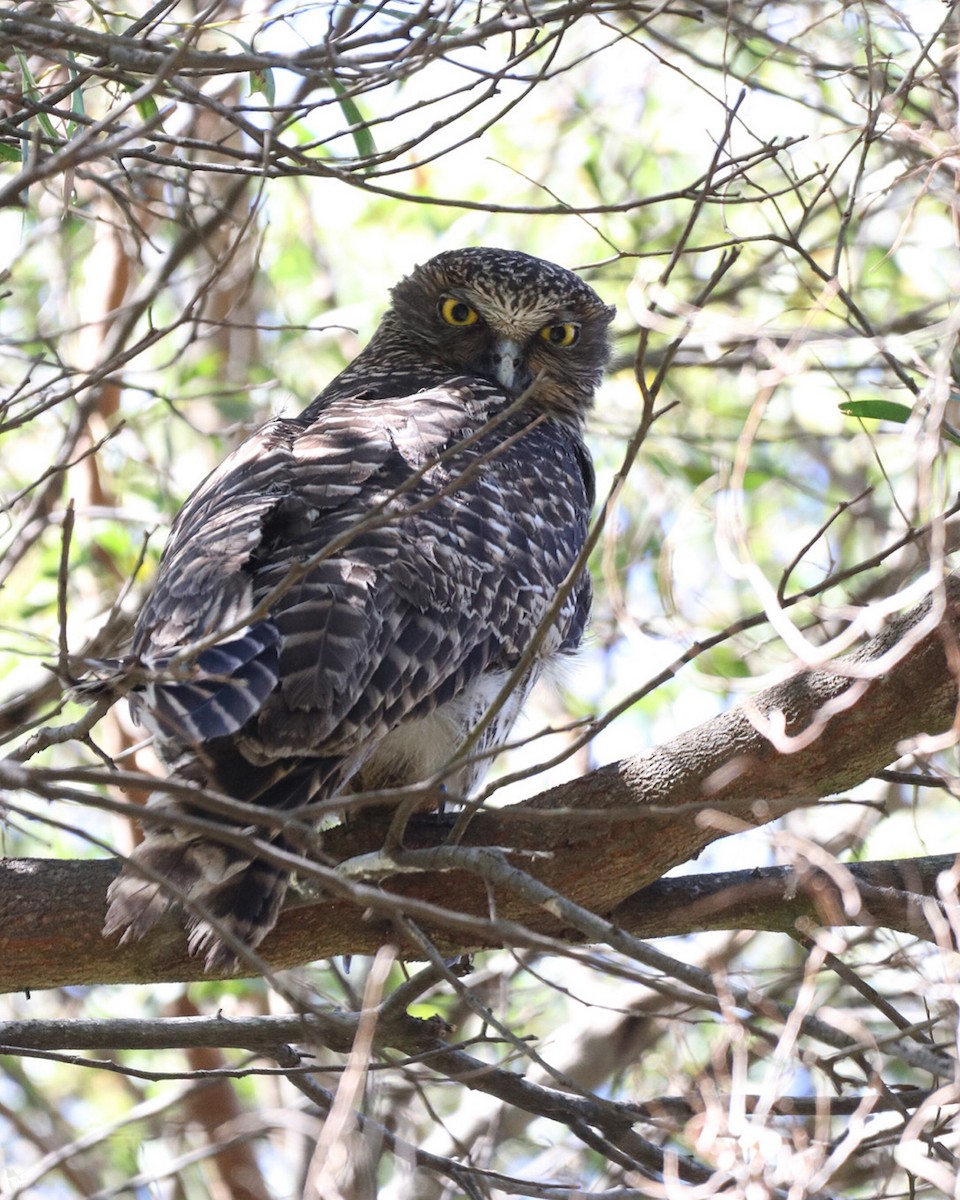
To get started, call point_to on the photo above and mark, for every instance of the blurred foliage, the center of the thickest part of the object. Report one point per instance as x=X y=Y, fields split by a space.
x=202 y=213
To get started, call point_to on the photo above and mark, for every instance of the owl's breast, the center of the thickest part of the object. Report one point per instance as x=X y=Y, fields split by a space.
x=423 y=748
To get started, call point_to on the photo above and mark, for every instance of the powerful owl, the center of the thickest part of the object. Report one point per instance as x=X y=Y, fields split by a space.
x=340 y=602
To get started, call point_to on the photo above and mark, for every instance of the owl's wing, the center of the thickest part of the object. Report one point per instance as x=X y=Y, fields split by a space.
x=391 y=552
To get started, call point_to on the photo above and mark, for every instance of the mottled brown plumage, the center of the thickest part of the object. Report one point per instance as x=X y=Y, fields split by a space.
x=370 y=572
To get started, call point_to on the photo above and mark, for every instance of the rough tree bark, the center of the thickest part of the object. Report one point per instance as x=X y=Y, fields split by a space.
x=598 y=841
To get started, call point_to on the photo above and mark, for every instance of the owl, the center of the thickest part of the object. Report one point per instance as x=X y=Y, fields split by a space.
x=340 y=603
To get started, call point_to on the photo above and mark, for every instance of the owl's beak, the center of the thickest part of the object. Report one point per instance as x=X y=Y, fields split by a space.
x=508 y=366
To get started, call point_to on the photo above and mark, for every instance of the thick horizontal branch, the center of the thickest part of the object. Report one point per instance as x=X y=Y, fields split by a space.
x=598 y=840
x=271 y=1036
x=277 y=1038
x=893 y=894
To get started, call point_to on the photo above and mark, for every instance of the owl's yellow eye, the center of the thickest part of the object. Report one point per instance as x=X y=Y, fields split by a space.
x=458 y=312
x=561 y=335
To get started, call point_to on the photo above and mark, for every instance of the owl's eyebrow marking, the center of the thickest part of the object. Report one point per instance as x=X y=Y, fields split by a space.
x=410 y=547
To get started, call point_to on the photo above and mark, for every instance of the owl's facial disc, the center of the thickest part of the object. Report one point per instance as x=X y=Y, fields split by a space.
x=504 y=317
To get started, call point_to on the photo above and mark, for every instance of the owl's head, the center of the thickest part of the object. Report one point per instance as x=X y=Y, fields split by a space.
x=514 y=320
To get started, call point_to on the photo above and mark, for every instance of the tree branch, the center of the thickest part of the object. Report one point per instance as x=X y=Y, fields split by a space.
x=597 y=841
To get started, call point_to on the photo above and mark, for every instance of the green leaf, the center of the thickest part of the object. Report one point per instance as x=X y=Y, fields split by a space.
x=877 y=410
x=31 y=90
x=147 y=108
x=262 y=82
x=889 y=410
x=9 y=153
x=362 y=137
x=76 y=96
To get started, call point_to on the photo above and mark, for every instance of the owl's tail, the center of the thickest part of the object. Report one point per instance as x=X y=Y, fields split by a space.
x=228 y=894
x=225 y=894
